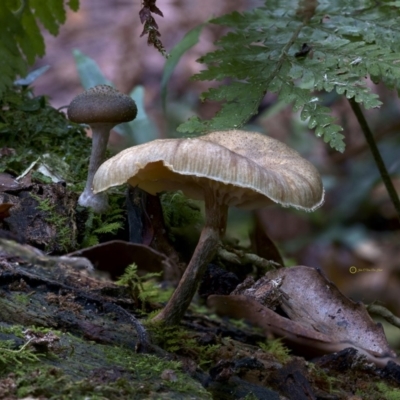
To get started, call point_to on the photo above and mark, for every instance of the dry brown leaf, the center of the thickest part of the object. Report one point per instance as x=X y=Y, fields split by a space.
x=320 y=318
x=114 y=256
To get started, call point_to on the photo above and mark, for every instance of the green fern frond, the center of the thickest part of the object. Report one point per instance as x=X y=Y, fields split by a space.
x=130 y=275
x=140 y=287
x=21 y=40
x=112 y=228
x=347 y=42
x=108 y=223
x=89 y=241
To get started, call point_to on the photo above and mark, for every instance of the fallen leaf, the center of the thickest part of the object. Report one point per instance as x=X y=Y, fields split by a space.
x=319 y=317
x=114 y=256
x=7 y=182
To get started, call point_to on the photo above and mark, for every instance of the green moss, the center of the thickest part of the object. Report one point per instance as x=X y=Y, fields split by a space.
x=387 y=392
x=25 y=356
x=9 y=356
x=28 y=122
x=21 y=298
x=16 y=330
x=179 y=212
x=83 y=369
x=64 y=235
x=329 y=383
x=277 y=349
x=179 y=340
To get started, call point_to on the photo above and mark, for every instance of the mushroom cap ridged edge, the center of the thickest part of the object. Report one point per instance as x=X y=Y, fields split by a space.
x=228 y=159
x=102 y=104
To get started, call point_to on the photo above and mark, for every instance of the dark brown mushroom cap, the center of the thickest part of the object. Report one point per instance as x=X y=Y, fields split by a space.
x=102 y=104
x=243 y=169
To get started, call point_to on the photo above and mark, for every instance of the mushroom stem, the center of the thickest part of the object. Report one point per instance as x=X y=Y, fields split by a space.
x=100 y=135
x=214 y=228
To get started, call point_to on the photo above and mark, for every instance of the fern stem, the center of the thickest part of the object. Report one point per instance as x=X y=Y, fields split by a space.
x=369 y=137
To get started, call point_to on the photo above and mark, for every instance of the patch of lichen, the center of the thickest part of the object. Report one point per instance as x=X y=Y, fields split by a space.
x=77 y=369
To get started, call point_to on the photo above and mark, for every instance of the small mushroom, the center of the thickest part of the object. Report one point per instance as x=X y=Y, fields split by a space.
x=101 y=107
x=226 y=168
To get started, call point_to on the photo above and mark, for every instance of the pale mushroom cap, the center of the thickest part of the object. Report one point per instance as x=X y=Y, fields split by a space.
x=245 y=169
x=102 y=104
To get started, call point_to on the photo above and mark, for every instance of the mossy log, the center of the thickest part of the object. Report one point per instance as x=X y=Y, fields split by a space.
x=93 y=348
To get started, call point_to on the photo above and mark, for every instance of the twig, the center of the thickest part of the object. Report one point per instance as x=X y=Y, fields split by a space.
x=247 y=258
x=384 y=313
x=144 y=344
x=369 y=137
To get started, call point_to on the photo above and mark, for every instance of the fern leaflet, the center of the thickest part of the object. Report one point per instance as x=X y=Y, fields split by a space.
x=20 y=38
x=347 y=42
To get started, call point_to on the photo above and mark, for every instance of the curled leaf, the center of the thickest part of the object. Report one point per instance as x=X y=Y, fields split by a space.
x=319 y=317
x=114 y=256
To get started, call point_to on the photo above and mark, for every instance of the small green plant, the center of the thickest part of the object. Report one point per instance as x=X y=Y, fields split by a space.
x=107 y=223
x=277 y=349
x=141 y=288
x=9 y=356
